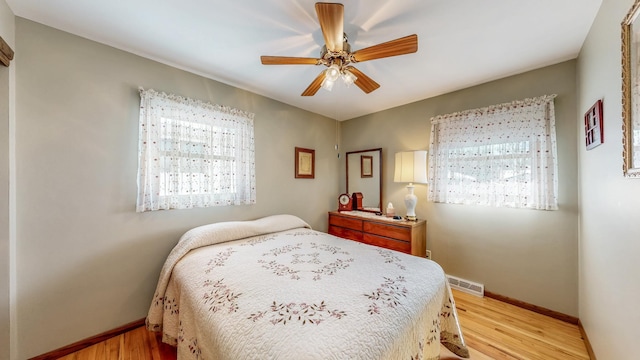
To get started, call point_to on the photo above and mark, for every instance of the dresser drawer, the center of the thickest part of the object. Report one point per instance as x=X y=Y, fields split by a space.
x=404 y=236
x=345 y=222
x=388 y=230
x=388 y=243
x=345 y=233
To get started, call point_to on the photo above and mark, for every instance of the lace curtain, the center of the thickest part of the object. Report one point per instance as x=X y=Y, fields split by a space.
x=503 y=155
x=193 y=154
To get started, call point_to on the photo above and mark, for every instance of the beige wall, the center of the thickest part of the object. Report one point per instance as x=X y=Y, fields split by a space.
x=610 y=205
x=529 y=255
x=86 y=262
x=7 y=29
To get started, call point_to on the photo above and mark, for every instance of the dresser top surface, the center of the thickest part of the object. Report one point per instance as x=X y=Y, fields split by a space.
x=361 y=215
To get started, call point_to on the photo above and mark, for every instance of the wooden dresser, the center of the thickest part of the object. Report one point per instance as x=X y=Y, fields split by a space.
x=405 y=236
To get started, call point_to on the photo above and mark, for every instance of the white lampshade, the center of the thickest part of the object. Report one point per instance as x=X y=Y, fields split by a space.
x=411 y=167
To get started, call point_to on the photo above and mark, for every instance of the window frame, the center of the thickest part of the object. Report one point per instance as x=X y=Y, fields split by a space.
x=202 y=146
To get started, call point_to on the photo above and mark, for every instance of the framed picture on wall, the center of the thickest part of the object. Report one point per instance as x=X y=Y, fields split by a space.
x=366 y=166
x=593 y=126
x=305 y=163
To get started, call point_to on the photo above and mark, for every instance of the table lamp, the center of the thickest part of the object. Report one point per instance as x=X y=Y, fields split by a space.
x=411 y=167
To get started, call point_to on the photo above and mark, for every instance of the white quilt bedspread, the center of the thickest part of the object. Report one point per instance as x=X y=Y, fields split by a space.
x=275 y=289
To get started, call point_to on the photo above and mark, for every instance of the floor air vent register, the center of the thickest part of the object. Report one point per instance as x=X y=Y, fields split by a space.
x=466 y=285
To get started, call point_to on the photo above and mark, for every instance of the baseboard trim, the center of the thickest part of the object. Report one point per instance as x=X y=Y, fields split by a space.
x=592 y=355
x=69 y=349
x=535 y=308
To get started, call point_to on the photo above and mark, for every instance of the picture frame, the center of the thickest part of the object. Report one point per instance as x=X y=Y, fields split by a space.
x=593 y=126
x=305 y=163
x=631 y=92
x=6 y=53
x=366 y=166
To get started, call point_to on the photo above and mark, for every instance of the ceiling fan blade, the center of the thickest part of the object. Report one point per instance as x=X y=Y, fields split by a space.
x=313 y=88
x=285 y=60
x=331 y=18
x=363 y=81
x=401 y=46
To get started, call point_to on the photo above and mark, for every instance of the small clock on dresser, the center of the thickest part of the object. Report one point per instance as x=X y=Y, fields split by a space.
x=345 y=203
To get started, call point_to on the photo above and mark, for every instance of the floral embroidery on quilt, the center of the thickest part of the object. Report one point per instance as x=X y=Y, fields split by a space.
x=332 y=268
x=283 y=250
x=446 y=308
x=191 y=344
x=434 y=332
x=450 y=340
x=220 y=297
x=165 y=302
x=279 y=269
x=305 y=233
x=180 y=331
x=295 y=260
x=302 y=313
x=312 y=258
x=391 y=258
x=168 y=304
x=219 y=260
x=328 y=248
x=389 y=294
x=258 y=240
x=418 y=356
x=157 y=299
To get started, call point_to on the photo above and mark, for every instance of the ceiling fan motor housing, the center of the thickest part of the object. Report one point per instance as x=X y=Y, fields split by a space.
x=342 y=58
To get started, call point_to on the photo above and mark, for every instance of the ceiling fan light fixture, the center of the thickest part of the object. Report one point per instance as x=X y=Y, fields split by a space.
x=333 y=72
x=327 y=84
x=348 y=77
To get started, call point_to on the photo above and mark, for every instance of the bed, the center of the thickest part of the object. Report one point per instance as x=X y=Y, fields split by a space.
x=273 y=288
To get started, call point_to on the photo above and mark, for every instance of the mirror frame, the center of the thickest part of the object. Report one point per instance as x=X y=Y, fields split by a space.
x=346 y=160
x=627 y=98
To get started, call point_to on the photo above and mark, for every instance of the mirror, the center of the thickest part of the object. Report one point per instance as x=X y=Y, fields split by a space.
x=631 y=92
x=364 y=175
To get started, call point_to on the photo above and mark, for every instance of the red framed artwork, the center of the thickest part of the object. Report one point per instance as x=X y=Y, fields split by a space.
x=593 y=126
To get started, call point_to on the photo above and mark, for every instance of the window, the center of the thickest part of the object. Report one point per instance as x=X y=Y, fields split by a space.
x=503 y=156
x=193 y=154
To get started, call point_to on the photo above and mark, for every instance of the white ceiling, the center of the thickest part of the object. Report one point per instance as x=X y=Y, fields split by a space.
x=460 y=43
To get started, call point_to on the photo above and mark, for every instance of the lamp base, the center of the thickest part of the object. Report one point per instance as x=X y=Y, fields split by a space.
x=410 y=201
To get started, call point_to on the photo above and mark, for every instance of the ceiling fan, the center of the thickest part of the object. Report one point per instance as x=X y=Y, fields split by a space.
x=336 y=54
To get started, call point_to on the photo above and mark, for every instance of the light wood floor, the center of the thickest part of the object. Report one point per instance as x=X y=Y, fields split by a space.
x=495 y=330
x=492 y=330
